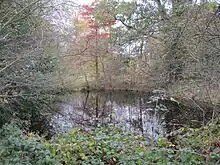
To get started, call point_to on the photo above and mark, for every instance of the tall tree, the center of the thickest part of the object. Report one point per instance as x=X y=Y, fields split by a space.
x=94 y=30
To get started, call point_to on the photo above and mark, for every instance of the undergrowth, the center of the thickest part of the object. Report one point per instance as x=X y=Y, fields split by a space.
x=110 y=145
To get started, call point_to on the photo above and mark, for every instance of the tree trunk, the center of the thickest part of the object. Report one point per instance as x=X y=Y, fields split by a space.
x=96 y=59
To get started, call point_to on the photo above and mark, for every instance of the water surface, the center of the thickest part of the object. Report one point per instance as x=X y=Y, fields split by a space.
x=145 y=114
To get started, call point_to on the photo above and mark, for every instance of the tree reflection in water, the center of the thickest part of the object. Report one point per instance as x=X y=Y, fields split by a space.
x=142 y=113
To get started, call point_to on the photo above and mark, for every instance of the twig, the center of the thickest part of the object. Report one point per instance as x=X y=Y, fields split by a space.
x=7 y=66
x=13 y=17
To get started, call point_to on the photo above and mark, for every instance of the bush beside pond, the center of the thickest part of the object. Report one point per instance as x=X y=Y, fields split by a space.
x=110 y=145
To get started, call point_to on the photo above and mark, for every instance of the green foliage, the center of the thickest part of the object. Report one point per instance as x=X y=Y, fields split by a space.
x=33 y=108
x=162 y=34
x=103 y=145
x=46 y=64
x=17 y=148
x=109 y=145
x=137 y=21
x=32 y=113
x=205 y=140
x=27 y=60
x=27 y=47
x=211 y=6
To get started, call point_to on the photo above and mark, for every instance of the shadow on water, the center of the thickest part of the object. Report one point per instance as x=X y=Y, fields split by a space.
x=149 y=114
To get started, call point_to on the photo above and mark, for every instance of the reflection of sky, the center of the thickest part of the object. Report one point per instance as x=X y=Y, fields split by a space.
x=72 y=114
x=151 y=123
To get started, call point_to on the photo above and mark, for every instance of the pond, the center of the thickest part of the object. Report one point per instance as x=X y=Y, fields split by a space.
x=149 y=114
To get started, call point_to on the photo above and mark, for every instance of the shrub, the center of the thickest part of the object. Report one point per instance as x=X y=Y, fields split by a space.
x=110 y=145
x=18 y=148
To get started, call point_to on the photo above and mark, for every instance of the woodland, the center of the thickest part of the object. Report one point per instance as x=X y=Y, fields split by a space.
x=54 y=47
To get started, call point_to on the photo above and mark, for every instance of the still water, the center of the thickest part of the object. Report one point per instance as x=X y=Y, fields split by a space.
x=147 y=114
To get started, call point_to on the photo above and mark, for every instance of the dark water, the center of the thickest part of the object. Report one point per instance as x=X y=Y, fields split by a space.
x=150 y=115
